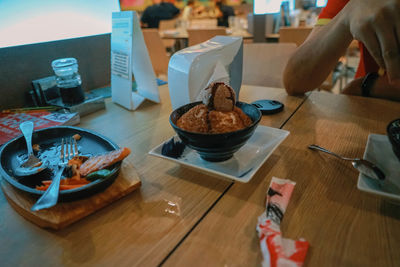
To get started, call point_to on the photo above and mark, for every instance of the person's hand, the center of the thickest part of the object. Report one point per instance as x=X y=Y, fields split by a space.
x=376 y=23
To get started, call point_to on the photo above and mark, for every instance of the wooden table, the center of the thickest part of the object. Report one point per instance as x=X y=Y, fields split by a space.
x=145 y=227
x=272 y=37
x=182 y=217
x=345 y=227
x=182 y=34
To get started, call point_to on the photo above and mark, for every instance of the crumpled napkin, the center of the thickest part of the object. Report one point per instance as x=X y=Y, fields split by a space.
x=276 y=250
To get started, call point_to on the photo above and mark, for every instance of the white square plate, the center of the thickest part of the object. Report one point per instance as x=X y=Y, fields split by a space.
x=244 y=163
x=379 y=151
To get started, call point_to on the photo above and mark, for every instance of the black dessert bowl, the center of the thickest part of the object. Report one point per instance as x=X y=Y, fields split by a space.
x=216 y=146
x=393 y=132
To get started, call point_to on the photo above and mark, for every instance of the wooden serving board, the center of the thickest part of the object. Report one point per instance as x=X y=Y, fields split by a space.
x=66 y=213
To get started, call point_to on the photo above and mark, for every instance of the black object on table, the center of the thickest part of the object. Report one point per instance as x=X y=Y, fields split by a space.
x=268 y=107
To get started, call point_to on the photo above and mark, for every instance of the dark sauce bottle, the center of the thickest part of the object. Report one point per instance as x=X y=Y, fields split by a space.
x=68 y=80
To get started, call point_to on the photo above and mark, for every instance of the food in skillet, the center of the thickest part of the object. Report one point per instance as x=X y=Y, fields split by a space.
x=83 y=170
x=217 y=114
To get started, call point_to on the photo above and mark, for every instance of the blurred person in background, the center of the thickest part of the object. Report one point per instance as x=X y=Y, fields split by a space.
x=223 y=12
x=160 y=10
x=375 y=24
x=188 y=10
x=191 y=10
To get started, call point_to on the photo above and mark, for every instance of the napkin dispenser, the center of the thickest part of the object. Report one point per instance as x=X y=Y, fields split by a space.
x=190 y=70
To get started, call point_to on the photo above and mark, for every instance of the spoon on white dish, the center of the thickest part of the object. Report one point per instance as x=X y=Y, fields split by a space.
x=363 y=166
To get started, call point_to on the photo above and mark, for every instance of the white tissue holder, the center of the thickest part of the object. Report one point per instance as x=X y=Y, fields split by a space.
x=192 y=69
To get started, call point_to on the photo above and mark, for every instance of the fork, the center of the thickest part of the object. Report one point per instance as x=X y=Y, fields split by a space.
x=50 y=197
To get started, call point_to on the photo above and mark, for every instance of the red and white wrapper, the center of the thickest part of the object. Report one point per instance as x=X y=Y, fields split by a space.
x=276 y=250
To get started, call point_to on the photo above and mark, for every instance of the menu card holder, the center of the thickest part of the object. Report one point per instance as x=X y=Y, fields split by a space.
x=129 y=56
x=190 y=70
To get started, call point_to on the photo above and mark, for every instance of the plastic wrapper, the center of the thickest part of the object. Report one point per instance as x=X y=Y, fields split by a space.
x=276 y=250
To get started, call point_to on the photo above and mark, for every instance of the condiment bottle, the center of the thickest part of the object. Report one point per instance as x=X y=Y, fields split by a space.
x=68 y=80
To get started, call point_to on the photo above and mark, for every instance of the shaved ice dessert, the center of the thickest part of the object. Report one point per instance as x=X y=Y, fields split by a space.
x=217 y=113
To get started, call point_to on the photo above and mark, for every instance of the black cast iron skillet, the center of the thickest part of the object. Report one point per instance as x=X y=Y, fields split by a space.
x=91 y=143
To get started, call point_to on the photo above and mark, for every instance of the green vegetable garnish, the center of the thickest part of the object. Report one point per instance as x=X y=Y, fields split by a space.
x=101 y=174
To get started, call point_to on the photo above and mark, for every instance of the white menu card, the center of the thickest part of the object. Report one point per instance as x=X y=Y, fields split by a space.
x=129 y=56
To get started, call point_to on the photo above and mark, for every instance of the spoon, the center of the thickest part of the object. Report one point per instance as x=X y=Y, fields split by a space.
x=363 y=166
x=33 y=164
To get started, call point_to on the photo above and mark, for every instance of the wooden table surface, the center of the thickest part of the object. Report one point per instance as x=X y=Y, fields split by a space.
x=345 y=226
x=145 y=227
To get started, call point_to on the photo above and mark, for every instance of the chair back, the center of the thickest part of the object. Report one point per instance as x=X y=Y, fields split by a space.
x=264 y=63
x=203 y=23
x=158 y=54
x=197 y=36
x=167 y=24
x=295 y=35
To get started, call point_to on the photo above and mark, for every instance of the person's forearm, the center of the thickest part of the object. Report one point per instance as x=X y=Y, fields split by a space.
x=316 y=57
x=381 y=89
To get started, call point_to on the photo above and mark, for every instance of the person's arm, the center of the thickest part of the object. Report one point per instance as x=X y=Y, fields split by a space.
x=380 y=89
x=186 y=13
x=316 y=57
x=375 y=23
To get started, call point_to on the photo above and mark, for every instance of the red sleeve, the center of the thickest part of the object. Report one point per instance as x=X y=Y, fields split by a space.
x=332 y=8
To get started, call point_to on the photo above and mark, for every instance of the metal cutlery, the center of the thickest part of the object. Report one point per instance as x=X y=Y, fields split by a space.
x=33 y=164
x=50 y=196
x=363 y=166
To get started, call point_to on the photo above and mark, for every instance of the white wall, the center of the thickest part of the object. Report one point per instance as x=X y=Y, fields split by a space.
x=35 y=21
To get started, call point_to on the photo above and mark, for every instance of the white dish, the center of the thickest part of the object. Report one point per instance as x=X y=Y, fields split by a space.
x=244 y=163
x=379 y=151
